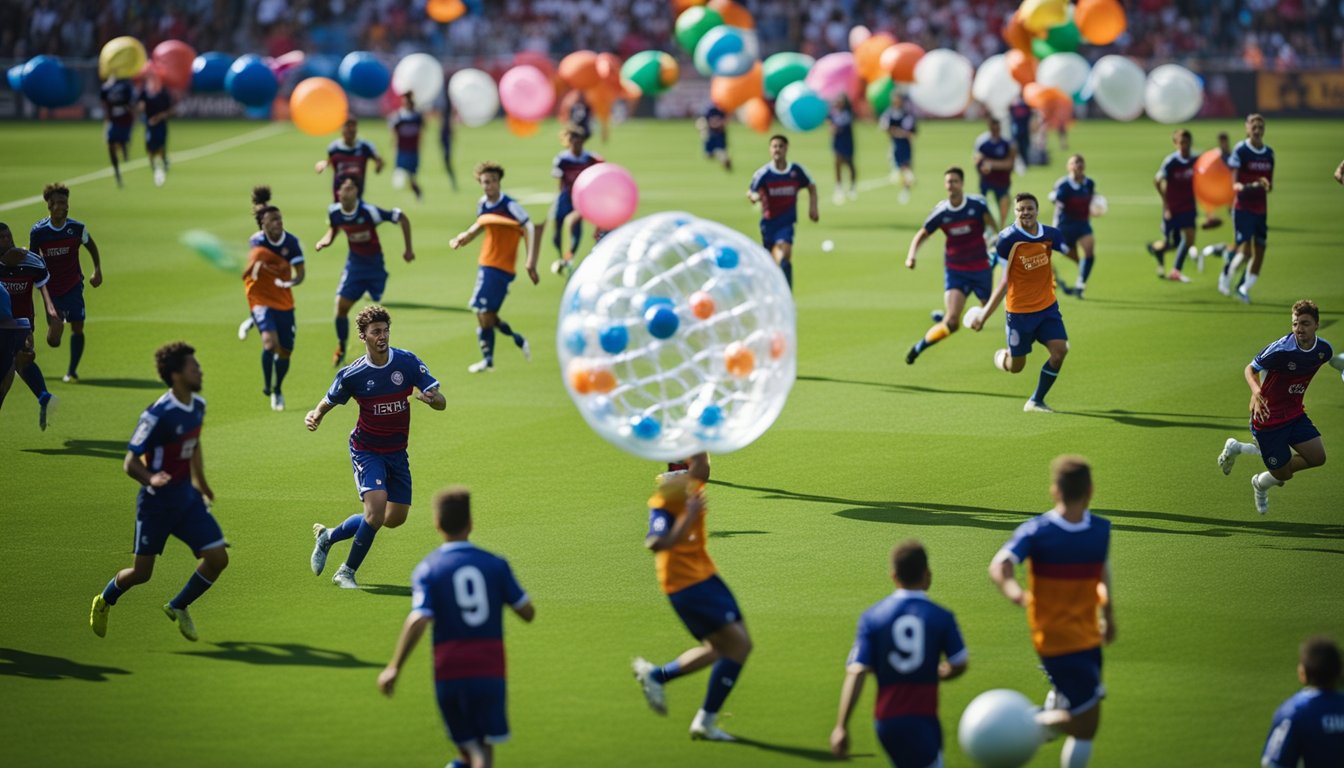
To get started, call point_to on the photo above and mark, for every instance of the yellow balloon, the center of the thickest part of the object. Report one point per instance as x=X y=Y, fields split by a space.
x=1040 y=15
x=122 y=58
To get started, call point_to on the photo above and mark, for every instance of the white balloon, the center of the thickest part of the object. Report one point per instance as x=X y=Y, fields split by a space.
x=994 y=85
x=942 y=83
x=999 y=730
x=422 y=75
x=1173 y=94
x=1116 y=84
x=474 y=96
x=1066 y=71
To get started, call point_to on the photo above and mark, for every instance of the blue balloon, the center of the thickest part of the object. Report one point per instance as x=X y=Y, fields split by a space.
x=726 y=258
x=645 y=427
x=711 y=416
x=209 y=70
x=799 y=108
x=320 y=65
x=74 y=88
x=14 y=75
x=662 y=321
x=363 y=75
x=250 y=82
x=613 y=339
x=43 y=81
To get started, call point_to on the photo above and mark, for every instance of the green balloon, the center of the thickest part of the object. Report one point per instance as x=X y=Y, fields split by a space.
x=879 y=93
x=693 y=23
x=1063 y=38
x=642 y=70
x=1040 y=48
x=784 y=68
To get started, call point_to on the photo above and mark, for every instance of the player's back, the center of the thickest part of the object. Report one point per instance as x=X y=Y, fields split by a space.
x=902 y=639
x=687 y=562
x=1308 y=730
x=1065 y=564
x=465 y=590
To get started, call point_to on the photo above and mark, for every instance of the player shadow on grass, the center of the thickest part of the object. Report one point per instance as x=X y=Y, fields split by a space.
x=393 y=590
x=1144 y=419
x=806 y=753
x=431 y=307
x=98 y=449
x=36 y=666
x=913 y=388
x=1221 y=306
x=123 y=383
x=280 y=654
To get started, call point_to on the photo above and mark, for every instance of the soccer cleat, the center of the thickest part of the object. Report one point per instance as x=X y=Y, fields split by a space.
x=338 y=357
x=244 y=327
x=708 y=732
x=318 y=561
x=839 y=197
x=160 y=176
x=98 y=615
x=653 y=690
x=526 y=350
x=1032 y=406
x=903 y=196
x=45 y=409
x=1078 y=292
x=1243 y=296
x=1223 y=285
x=184 y=623
x=1176 y=276
x=479 y=366
x=70 y=378
x=1213 y=222
x=345 y=578
x=911 y=355
x=853 y=193
x=937 y=315
x=1231 y=449
x=1261 y=497
x=277 y=401
x=558 y=266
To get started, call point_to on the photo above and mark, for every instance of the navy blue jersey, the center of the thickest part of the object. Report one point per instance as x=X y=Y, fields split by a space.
x=991 y=148
x=901 y=639
x=382 y=392
x=346 y=160
x=464 y=590
x=843 y=120
x=1179 y=173
x=167 y=434
x=1073 y=200
x=407 y=126
x=288 y=248
x=567 y=166
x=7 y=312
x=503 y=206
x=1019 y=118
x=155 y=103
x=59 y=248
x=581 y=114
x=964 y=226
x=1249 y=165
x=361 y=227
x=1308 y=731
x=716 y=121
x=779 y=191
x=119 y=101
x=898 y=118
x=1289 y=370
x=19 y=282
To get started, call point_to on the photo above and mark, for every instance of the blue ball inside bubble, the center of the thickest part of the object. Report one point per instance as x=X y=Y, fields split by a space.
x=662 y=321
x=575 y=342
x=726 y=258
x=652 y=301
x=711 y=416
x=645 y=427
x=613 y=339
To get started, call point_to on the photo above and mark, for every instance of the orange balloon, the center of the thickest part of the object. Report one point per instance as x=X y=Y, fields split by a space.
x=318 y=106
x=445 y=11
x=680 y=5
x=868 y=56
x=734 y=15
x=172 y=60
x=1022 y=66
x=757 y=115
x=609 y=69
x=702 y=305
x=600 y=98
x=739 y=359
x=1039 y=96
x=522 y=128
x=1058 y=109
x=1016 y=34
x=1100 y=21
x=729 y=93
x=1213 y=181
x=903 y=62
x=579 y=70
x=601 y=380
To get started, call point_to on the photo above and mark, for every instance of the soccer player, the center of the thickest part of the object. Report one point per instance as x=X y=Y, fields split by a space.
x=1029 y=288
x=995 y=158
x=1252 y=164
x=841 y=118
x=581 y=114
x=381 y=381
x=364 y=269
x=700 y=598
x=407 y=125
x=274 y=267
x=446 y=141
x=775 y=187
x=463 y=591
x=965 y=220
x=1175 y=182
x=118 y=97
x=903 y=639
x=566 y=167
x=349 y=157
x=16 y=334
x=164 y=457
x=1285 y=438
x=900 y=125
x=1072 y=197
x=504 y=222
x=1307 y=727
x=713 y=127
x=156 y=105
x=1019 y=128
x=1067 y=555
x=21 y=273
x=57 y=239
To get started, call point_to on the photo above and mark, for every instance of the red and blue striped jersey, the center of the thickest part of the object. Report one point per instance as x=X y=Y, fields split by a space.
x=167 y=435
x=1073 y=200
x=20 y=281
x=1249 y=165
x=994 y=149
x=119 y=102
x=964 y=226
x=407 y=126
x=1180 y=175
x=567 y=166
x=779 y=191
x=1288 y=370
x=345 y=160
x=464 y=590
x=1308 y=731
x=361 y=227
x=1065 y=565
x=59 y=248
x=901 y=639
x=383 y=394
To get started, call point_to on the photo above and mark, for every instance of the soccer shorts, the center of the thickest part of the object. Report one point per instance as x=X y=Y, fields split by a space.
x=156 y=137
x=902 y=154
x=1025 y=327
x=70 y=305
x=408 y=161
x=357 y=280
x=1073 y=231
x=716 y=142
x=1172 y=227
x=1077 y=677
x=775 y=232
x=174 y=510
x=389 y=472
x=999 y=192
x=912 y=742
x=564 y=203
x=842 y=145
x=474 y=710
x=118 y=134
x=1276 y=443
x=979 y=282
x=705 y=607
x=277 y=321
x=492 y=285
x=1250 y=226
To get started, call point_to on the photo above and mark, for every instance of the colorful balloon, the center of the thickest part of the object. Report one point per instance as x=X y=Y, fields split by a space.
x=799 y=108
x=868 y=55
x=1021 y=65
x=729 y=93
x=1100 y=21
x=1173 y=94
x=474 y=97
x=173 y=60
x=1066 y=71
x=942 y=83
x=318 y=106
x=526 y=93
x=1016 y=34
x=1213 y=181
x=878 y=93
x=756 y=114
x=363 y=75
x=784 y=68
x=445 y=11
x=579 y=70
x=692 y=25
x=903 y=60
x=44 y=81
x=606 y=195
x=651 y=72
x=994 y=85
x=421 y=75
x=726 y=51
x=122 y=58
x=1116 y=85
x=832 y=75
x=209 y=71
x=250 y=82
x=733 y=14
x=1040 y=15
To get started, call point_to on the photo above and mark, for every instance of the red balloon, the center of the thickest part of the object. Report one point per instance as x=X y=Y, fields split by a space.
x=172 y=60
x=1213 y=181
x=903 y=61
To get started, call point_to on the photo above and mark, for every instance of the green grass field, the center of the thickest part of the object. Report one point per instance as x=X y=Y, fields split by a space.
x=1211 y=599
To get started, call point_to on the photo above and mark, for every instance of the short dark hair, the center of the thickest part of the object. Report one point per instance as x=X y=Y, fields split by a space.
x=909 y=561
x=4 y=227
x=1320 y=661
x=1073 y=475
x=344 y=177
x=573 y=129
x=994 y=120
x=488 y=166
x=171 y=358
x=780 y=137
x=1020 y=196
x=955 y=171
x=1307 y=307
x=1255 y=116
x=53 y=189
x=370 y=315
x=452 y=509
x=1182 y=133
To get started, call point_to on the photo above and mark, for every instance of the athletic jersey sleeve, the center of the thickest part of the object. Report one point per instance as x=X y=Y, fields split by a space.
x=337 y=393
x=1269 y=359
x=1282 y=747
x=807 y=179
x=421 y=602
x=1018 y=547
x=144 y=431
x=557 y=171
x=1057 y=241
x=931 y=223
x=660 y=522
x=382 y=214
x=954 y=648
x=424 y=380
x=862 y=650
x=1004 y=247
x=518 y=211
x=513 y=593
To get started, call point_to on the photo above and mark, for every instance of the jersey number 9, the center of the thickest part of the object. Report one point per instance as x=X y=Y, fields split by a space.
x=469 y=588
x=907 y=635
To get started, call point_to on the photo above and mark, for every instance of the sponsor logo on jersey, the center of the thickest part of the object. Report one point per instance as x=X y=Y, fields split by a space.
x=387 y=409
x=1297 y=389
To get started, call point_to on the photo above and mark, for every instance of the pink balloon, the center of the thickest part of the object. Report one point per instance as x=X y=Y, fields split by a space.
x=526 y=93
x=832 y=75
x=606 y=195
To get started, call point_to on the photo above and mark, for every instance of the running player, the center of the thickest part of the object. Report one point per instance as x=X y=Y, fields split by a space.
x=995 y=159
x=1285 y=438
x=1067 y=555
x=57 y=239
x=364 y=270
x=1019 y=129
x=1033 y=313
x=504 y=222
x=349 y=157
x=700 y=598
x=118 y=97
x=1072 y=197
x=274 y=266
x=164 y=457
x=407 y=125
x=841 y=118
x=903 y=639
x=1175 y=182
x=900 y=125
x=156 y=105
x=462 y=591
x=21 y=273
x=775 y=187
x=446 y=141
x=1306 y=729
x=965 y=221
x=1252 y=163
x=381 y=381
x=566 y=167
x=16 y=333
x=713 y=127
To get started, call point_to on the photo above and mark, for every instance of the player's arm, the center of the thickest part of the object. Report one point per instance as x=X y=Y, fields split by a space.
x=1107 y=606
x=532 y=246
x=850 y=690
x=97 y=278
x=314 y=418
x=466 y=236
x=1000 y=291
x=695 y=505
x=949 y=671
x=991 y=235
x=411 y=632
x=982 y=163
x=915 y=242
x=1002 y=571
x=377 y=160
x=812 y=202
x=322 y=165
x=54 y=320
x=527 y=612
x=1339 y=172
x=326 y=239
x=141 y=474
x=1259 y=405
x=572 y=220
x=434 y=398
x=198 y=473
x=299 y=274
x=405 y=222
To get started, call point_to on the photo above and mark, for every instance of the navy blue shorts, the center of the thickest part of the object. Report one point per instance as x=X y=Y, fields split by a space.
x=278 y=321
x=706 y=607
x=408 y=161
x=1078 y=677
x=999 y=192
x=1276 y=444
x=156 y=137
x=11 y=343
x=911 y=742
x=979 y=282
x=716 y=142
x=175 y=510
x=842 y=144
x=118 y=134
x=492 y=285
x=70 y=305
x=389 y=472
x=1075 y=230
x=474 y=710
x=1025 y=327
x=902 y=154
x=1250 y=226
x=773 y=232
x=1172 y=227
x=356 y=282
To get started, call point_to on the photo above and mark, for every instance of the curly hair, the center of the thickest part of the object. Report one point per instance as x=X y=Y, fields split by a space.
x=261 y=203
x=171 y=358
x=53 y=189
x=370 y=315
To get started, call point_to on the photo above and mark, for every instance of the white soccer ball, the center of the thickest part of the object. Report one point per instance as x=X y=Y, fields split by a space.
x=999 y=729
x=827 y=246
x=676 y=335
x=1099 y=206
x=971 y=315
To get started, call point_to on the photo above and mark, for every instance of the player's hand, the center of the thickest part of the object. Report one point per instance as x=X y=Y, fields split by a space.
x=97 y=278
x=1267 y=184
x=909 y=262
x=427 y=397
x=409 y=255
x=320 y=245
x=533 y=276
x=54 y=328
x=313 y=420
x=813 y=215
x=977 y=323
x=753 y=198
x=377 y=165
x=1107 y=630
x=283 y=283
x=208 y=494
x=1166 y=214
x=840 y=743
x=320 y=166
x=1259 y=406
x=1339 y=173
x=387 y=680
x=455 y=243
x=159 y=479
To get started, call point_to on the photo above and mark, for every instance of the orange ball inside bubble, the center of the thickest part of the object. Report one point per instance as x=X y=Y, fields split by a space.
x=778 y=345
x=702 y=305
x=601 y=380
x=739 y=359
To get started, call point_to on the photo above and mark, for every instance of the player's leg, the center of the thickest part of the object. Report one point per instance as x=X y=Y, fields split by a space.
x=954 y=300
x=116 y=161
x=1257 y=258
x=285 y=329
x=485 y=337
x=28 y=370
x=559 y=210
x=270 y=344
x=733 y=644
x=1088 y=245
x=1232 y=448
x=141 y=570
x=1306 y=454
x=1058 y=347
x=1076 y=678
x=1020 y=330
x=1185 y=240
x=344 y=301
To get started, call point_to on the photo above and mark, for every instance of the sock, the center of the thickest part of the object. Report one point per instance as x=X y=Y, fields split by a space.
x=342 y=330
x=116 y=164
x=1248 y=281
x=486 y=338
x=721 y=680
x=787 y=266
x=267 y=363
x=1264 y=481
x=76 y=351
x=669 y=671
x=934 y=335
x=1085 y=270
x=360 y=548
x=575 y=236
x=507 y=330
x=112 y=593
x=1250 y=449
x=1182 y=248
x=1075 y=754
x=1047 y=381
x=32 y=376
x=281 y=368
x=194 y=588
x=346 y=529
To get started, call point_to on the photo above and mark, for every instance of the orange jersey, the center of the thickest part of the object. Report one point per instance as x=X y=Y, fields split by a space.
x=1031 y=280
x=264 y=267
x=686 y=563
x=499 y=244
x=1066 y=563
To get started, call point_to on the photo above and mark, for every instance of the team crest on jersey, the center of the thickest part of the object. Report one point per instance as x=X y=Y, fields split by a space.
x=397 y=378
x=368 y=384
x=1292 y=366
